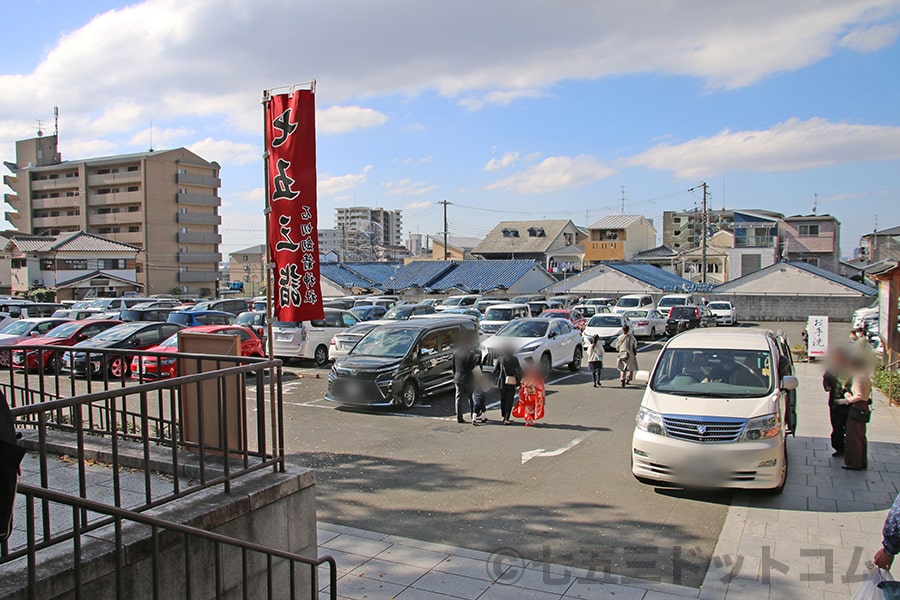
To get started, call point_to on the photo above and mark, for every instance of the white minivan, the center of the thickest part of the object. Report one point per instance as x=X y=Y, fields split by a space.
x=715 y=412
x=310 y=339
x=498 y=315
x=666 y=303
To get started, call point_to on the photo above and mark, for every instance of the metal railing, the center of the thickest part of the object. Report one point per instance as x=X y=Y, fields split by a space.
x=226 y=415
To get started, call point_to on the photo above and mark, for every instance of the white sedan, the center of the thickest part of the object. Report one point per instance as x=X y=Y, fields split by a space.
x=724 y=312
x=646 y=323
x=550 y=343
x=607 y=326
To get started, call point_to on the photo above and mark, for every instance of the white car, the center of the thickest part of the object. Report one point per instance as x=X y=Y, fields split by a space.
x=310 y=339
x=724 y=311
x=460 y=301
x=715 y=412
x=589 y=310
x=607 y=326
x=344 y=342
x=633 y=302
x=550 y=343
x=646 y=323
x=498 y=315
x=666 y=303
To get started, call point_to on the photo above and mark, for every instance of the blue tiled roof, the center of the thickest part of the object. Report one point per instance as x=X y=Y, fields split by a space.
x=834 y=277
x=343 y=277
x=417 y=274
x=378 y=273
x=483 y=275
x=658 y=278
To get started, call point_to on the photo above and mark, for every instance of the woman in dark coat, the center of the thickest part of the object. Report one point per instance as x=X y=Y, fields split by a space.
x=508 y=374
x=857 y=392
x=837 y=410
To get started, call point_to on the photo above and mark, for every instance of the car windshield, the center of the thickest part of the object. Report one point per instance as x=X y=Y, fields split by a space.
x=498 y=314
x=717 y=373
x=398 y=313
x=63 y=331
x=359 y=329
x=629 y=302
x=683 y=312
x=386 y=343
x=672 y=302
x=102 y=304
x=170 y=342
x=201 y=306
x=451 y=302
x=81 y=304
x=525 y=329
x=247 y=319
x=555 y=314
x=17 y=328
x=587 y=311
x=605 y=321
x=636 y=314
x=285 y=324
x=119 y=332
x=719 y=306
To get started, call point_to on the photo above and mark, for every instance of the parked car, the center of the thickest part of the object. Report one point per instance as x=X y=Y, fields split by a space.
x=255 y=320
x=472 y=313
x=565 y=300
x=399 y=363
x=498 y=315
x=151 y=367
x=259 y=304
x=633 y=302
x=460 y=301
x=196 y=318
x=405 y=311
x=714 y=413
x=607 y=326
x=537 y=307
x=25 y=329
x=113 y=306
x=646 y=323
x=137 y=335
x=724 y=311
x=602 y=301
x=483 y=304
x=65 y=334
x=369 y=312
x=550 y=343
x=431 y=301
x=76 y=313
x=574 y=317
x=234 y=306
x=339 y=303
x=310 y=339
x=344 y=342
x=145 y=314
x=682 y=318
x=385 y=302
x=525 y=299
x=667 y=302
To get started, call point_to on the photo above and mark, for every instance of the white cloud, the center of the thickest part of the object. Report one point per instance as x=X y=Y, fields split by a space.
x=419 y=205
x=257 y=194
x=870 y=39
x=328 y=185
x=498 y=98
x=790 y=146
x=344 y=119
x=408 y=187
x=226 y=151
x=158 y=137
x=555 y=173
x=496 y=164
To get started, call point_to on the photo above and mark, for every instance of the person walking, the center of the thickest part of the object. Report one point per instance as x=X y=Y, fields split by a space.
x=890 y=534
x=836 y=408
x=508 y=375
x=479 y=397
x=595 y=359
x=11 y=454
x=464 y=362
x=531 y=395
x=857 y=391
x=626 y=346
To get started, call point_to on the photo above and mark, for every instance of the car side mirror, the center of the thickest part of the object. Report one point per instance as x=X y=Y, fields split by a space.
x=789 y=382
x=552 y=335
x=136 y=342
x=81 y=337
x=34 y=334
x=642 y=377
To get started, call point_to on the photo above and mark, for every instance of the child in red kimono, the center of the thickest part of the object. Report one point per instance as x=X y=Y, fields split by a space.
x=530 y=406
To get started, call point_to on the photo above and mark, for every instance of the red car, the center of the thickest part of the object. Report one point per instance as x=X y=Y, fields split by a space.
x=67 y=334
x=153 y=367
x=576 y=318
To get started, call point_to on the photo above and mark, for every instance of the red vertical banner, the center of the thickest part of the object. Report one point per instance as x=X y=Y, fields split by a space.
x=293 y=217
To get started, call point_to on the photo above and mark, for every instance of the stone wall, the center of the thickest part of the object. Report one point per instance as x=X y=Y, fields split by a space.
x=793 y=308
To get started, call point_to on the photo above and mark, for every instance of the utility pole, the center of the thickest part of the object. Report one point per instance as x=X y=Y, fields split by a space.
x=703 y=224
x=623 y=199
x=445 y=232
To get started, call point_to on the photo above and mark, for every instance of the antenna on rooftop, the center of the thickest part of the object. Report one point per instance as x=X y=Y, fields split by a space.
x=40 y=132
x=815 y=202
x=56 y=120
x=151 y=135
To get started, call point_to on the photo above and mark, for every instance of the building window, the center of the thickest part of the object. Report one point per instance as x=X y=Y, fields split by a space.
x=17 y=263
x=47 y=264
x=182 y=171
x=134 y=208
x=134 y=229
x=809 y=231
x=184 y=230
x=131 y=188
x=182 y=211
x=102 y=171
x=811 y=261
x=138 y=267
x=102 y=191
x=111 y=263
x=246 y=258
x=74 y=264
x=510 y=233
x=182 y=269
x=132 y=168
x=104 y=230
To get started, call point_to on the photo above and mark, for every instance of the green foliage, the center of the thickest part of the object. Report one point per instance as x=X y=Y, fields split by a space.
x=41 y=295
x=880 y=380
x=205 y=292
x=175 y=291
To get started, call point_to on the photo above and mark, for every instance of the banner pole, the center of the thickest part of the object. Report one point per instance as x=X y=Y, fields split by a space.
x=270 y=347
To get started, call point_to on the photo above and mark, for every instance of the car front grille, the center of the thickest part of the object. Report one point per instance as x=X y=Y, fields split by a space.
x=703 y=430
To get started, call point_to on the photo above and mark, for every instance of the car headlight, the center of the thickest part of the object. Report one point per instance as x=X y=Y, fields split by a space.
x=761 y=428
x=649 y=421
x=167 y=361
x=529 y=347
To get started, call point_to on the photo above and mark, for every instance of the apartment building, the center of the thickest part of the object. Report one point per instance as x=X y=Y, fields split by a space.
x=813 y=239
x=618 y=237
x=384 y=227
x=164 y=202
x=248 y=266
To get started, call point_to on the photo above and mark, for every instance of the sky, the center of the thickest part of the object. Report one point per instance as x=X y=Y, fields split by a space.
x=508 y=109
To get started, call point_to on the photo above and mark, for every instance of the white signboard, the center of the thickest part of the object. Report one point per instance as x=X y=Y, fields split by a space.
x=817 y=330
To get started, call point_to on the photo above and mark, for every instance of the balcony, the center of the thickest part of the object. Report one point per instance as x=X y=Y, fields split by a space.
x=199 y=219
x=40 y=185
x=197 y=179
x=122 y=177
x=199 y=257
x=10 y=180
x=12 y=199
x=609 y=250
x=62 y=222
x=119 y=218
x=135 y=238
x=117 y=198
x=198 y=199
x=824 y=242
x=754 y=241
x=197 y=276
x=68 y=202
x=12 y=217
x=199 y=238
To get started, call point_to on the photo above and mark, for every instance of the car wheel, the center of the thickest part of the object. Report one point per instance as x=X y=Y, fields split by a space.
x=320 y=356
x=546 y=366
x=117 y=367
x=575 y=365
x=775 y=491
x=51 y=365
x=409 y=395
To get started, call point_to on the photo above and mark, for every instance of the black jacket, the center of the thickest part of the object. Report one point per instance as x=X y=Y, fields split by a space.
x=10 y=456
x=506 y=366
x=833 y=386
x=464 y=363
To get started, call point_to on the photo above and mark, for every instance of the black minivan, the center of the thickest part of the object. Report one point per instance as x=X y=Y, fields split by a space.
x=397 y=363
